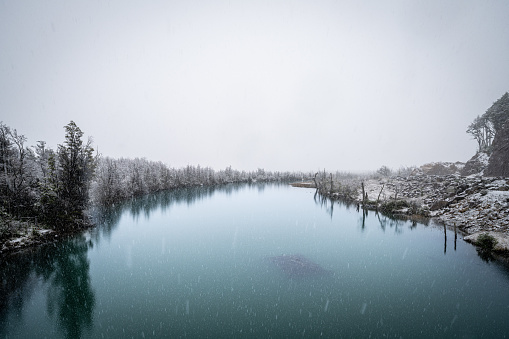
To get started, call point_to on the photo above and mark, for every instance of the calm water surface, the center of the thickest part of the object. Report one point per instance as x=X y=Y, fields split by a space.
x=196 y=263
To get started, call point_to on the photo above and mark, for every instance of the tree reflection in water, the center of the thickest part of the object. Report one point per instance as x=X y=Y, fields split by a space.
x=65 y=270
x=70 y=293
x=386 y=221
x=64 y=266
x=107 y=218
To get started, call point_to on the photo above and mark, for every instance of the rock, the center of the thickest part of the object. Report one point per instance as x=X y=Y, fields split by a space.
x=439 y=205
x=476 y=164
x=501 y=238
x=498 y=163
x=450 y=190
x=441 y=168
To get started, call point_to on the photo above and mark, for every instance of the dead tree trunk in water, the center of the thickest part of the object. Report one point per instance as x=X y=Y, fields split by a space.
x=363 y=195
x=331 y=183
x=316 y=184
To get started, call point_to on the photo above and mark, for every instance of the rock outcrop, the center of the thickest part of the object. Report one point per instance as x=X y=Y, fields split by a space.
x=440 y=168
x=473 y=203
x=477 y=164
x=498 y=165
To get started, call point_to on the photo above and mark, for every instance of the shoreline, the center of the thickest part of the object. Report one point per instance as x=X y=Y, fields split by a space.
x=474 y=204
x=35 y=236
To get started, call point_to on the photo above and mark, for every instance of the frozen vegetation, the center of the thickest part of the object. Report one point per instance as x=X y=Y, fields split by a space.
x=473 y=196
x=45 y=194
x=474 y=204
x=120 y=179
x=44 y=190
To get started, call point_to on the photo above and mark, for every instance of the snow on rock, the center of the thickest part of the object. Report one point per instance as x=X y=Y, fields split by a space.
x=501 y=238
x=29 y=237
x=473 y=203
x=440 y=168
x=476 y=165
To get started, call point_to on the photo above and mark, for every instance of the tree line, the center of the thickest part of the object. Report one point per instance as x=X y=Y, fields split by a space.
x=52 y=185
x=485 y=127
x=120 y=179
x=57 y=186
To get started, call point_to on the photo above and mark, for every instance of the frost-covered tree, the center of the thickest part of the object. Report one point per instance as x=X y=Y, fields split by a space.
x=76 y=167
x=384 y=171
x=122 y=179
x=483 y=132
x=6 y=154
x=484 y=127
x=17 y=175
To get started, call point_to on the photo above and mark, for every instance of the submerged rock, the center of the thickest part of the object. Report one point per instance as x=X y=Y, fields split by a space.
x=297 y=266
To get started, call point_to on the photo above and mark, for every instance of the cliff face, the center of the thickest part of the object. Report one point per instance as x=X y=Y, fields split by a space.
x=498 y=165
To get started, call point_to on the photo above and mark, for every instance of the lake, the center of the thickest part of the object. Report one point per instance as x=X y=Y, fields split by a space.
x=253 y=261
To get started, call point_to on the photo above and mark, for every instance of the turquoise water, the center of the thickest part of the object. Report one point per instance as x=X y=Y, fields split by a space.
x=196 y=263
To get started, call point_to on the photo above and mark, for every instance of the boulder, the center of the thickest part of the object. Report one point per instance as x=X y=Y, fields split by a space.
x=439 y=205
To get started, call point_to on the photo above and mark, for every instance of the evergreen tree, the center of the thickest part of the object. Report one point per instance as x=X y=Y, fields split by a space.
x=76 y=167
x=498 y=113
x=485 y=127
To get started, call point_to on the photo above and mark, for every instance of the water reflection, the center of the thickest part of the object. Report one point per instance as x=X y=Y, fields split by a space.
x=64 y=269
x=185 y=293
x=390 y=221
x=485 y=255
x=397 y=223
x=328 y=204
x=107 y=218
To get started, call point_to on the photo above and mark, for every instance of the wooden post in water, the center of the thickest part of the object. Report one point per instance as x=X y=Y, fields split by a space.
x=455 y=236
x=445 y=239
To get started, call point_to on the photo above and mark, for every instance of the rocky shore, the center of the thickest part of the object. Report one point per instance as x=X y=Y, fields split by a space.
x=17 y=236
x=474 y=204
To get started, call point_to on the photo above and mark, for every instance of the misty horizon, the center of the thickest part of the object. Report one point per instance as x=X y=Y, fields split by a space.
x=283 y=85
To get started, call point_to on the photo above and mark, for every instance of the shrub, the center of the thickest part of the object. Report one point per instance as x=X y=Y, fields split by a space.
x=486 y=242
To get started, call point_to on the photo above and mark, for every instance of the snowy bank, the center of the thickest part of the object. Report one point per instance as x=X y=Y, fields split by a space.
x=473 y=204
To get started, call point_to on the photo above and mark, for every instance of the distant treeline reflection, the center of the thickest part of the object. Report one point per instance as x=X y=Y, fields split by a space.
x=108 y=217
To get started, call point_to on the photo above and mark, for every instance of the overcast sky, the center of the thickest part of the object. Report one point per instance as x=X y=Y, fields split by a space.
x=280 y=85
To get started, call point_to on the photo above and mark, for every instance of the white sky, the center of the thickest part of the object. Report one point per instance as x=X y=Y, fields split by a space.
x=280 y=85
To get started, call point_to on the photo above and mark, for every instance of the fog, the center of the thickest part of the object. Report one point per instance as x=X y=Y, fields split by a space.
x=280 y=85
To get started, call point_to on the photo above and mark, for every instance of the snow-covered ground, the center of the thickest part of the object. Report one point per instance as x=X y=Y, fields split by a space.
x=475 y=204
x=24 y=234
